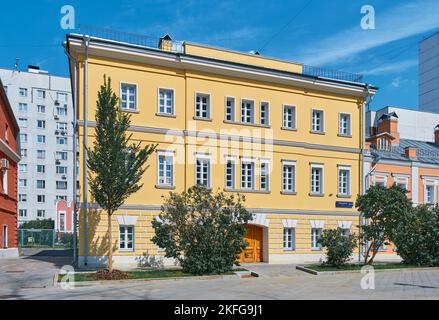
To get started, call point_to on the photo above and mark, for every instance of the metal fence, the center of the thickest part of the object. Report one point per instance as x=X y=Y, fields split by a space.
x=332 y=74
x=43 y=238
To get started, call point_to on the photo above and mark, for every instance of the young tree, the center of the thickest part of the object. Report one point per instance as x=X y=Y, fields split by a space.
x=339 y=246
x=380 y=208
x=201 y=230
x=116 y=165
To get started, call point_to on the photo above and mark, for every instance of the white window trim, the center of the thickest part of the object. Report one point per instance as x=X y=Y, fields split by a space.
x=209 y=106
x=267 y=162
x=232 y=159
x=293 y=164
x=267 y=113
x=136 y=109
x=173 y=101
x=209 y=177
x=253 y=115
x=322 y=167
x=293 y=239
x=349 y=134
x=344 y=168
x=65 y=220
x=165 y=154
x=233 y=109
x=247 y=160
x=5 y=240
x=292 y=106
x=427 y=181
x=134 y=238
x=323 y=121
x=5 y=181
x=379 y=175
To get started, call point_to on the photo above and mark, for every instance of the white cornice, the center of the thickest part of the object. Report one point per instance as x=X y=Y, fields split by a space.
x=8 y=151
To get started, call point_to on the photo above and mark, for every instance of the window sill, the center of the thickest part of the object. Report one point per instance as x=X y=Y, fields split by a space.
x=202 y=119
x=157 y=186
x=316 y=194
x=166 y=115
x=345 y=135
x=289 y=250
x=316 y=249
x=344 y=196
x=266 y=126
x=317 y=132
x=288 y=193
x=247 y=191
x=289 y=129
x=126 y=250
x=130 y=111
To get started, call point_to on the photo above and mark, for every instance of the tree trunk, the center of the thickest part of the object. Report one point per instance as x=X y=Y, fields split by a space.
x=110 y=244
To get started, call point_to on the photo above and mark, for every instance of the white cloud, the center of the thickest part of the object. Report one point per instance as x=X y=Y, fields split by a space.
x=397 y=23
x=392 y=67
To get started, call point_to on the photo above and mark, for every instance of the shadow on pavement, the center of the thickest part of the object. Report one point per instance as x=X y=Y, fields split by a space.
x=58 y=258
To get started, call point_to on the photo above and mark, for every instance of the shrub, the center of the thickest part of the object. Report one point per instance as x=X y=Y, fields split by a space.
x=203 y=231
x=339 y=247
x=39 y=224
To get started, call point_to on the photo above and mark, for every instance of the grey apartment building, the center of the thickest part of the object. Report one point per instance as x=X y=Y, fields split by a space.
x=42 y=104
x=429 y=74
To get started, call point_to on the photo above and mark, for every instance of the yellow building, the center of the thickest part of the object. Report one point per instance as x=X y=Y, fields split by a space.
x=236 y=122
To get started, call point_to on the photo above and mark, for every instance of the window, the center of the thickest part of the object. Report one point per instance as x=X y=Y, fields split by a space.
x=22 y=197
x=128 y=93
x=23 y=153
x=345 y=232
x=316 y=179
x=41 y=198
x=401 y=182
x=41 y=124
x=247 y=174
x=230 y=173
x=344 y=181
x=203 y=172
x=61 y=111
x=22 y=107
x=166 y=101
x=61 y=185
x=289 y=121
x=41 y=94
x=289 y=177
x=379 y=181
x=126 y=238
x=62 y=222
x=166 y=170
x=289 y=239
x=230 y=109
x=58 y=198
x=22 y=183
x=247 y=111
x=41 y=109
x=22 y=122
x=22 y=92
x=315 y=235
x=61 y=96
x=264 y=175
x=61 y=155
x=22 y=168
x=23 y=138
x=41 y=139
x=41 y=213
x=265 y=114
x=202 y=106
x=61 y=141
x=429 y=194
x=41 y=154
x=317 y=121
x=344 y=124
x=4 y=181
x=22 y=213
x=41 y=184
x=41 y=168
x=61 y=170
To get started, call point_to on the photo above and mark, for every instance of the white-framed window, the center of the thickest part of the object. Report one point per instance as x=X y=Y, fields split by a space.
x=41 y=168
x=430 y=196
x=61 y=111
x=128 y=96
x=4 y=174
x=41 y=154
x=202 y=106
x=289 y=176
x=41 y=109
x=61 y=170
x=264 y=117
x=230 y=109
x=126 y=238
x=345 y=232
x=379 y=180
x=317 y=124
x=22 y=213
x=289 y=239
x=22 y=122
x=61 y=155
x=165 y=176
x=344 y=180
x=316 y=179
x=61 y=185
x=247 y=174
x=62 y=221
x=22 y=167
x=166 y=101
x=22 y=92
x=41 y=94
x=41 y=139
x=230 y=172
x=41 y=124
x=289 y=117
x=41 y=184
x=41 y=213
x=23 y=138
x=62 y=126
x=62 y=97
x=315 y=235
x=264 y=174
x=22 y=107
x=59 y=197
x=41 y=198
x=22 y=197
x=202 y=171
x=23 y=153
x=22 y=183
x=61 y=141
x=344 y=125
x=247 y=111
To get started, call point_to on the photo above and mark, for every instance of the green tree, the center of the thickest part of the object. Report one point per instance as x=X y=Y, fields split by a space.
x=339 y=246
x=203 y=231
x=39 y=224
x=380 y=207
x=115 y=164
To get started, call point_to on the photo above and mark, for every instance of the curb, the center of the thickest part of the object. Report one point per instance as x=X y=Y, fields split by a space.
x=331 y=273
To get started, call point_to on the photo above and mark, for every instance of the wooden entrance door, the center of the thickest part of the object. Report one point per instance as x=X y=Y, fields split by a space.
x=253 y=252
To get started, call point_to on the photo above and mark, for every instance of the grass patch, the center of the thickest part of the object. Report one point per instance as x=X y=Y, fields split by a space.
x=357 y=267
x=150 y=274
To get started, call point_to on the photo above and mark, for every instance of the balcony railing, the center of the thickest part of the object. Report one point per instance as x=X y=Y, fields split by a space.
x=332 y=74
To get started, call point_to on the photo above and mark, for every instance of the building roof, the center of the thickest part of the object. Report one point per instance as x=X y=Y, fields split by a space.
x=427 y=152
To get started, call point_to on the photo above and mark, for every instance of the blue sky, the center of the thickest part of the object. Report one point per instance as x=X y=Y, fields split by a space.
x=325 y=33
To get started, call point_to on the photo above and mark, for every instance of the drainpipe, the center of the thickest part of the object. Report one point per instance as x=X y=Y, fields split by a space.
x=86 y=42
x=75 y=151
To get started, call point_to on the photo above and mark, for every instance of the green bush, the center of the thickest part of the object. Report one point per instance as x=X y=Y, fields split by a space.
x=203 y=231
x=339 y=247
x=66 y=239
x=46 y=224
x=417 y=236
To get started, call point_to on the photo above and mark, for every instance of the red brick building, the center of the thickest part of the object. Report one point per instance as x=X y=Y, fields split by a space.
x=9 y=157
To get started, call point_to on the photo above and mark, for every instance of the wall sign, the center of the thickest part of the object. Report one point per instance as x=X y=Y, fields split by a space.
x=344 y=204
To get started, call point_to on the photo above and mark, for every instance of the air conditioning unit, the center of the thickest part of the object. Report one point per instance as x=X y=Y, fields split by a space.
x=56 y=103
x=64 y=177
x=63 y=133
x=4 y=164
x=57 y=162
x=56 y=117
x=56 y=132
